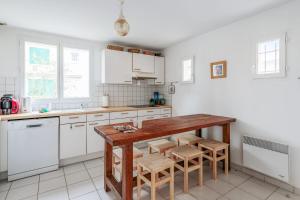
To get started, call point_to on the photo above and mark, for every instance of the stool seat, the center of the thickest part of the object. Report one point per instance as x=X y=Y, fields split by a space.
x=161 y=146
x=155 y=162
x=186 y=152
x=188 y=139
x=212 y=144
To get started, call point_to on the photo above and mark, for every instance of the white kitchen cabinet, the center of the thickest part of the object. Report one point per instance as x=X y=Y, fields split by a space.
x=159 y=68
x=95 y=143
x=72 y=140
x=143 y=63
x=116 y=67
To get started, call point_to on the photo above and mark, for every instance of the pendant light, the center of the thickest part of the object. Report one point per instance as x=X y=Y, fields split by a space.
x=121 y=25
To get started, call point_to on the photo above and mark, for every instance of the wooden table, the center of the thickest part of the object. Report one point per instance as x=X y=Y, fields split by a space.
x=151 y=129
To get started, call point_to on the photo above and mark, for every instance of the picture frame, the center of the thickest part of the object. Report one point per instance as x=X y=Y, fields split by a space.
x=218 y=69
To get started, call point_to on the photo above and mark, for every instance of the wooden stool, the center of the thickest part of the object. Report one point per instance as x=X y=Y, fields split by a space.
x=117 y=158
x=158 y=167
x=192 y=160
x=188 y=140
x=215 y=151
x=160 y=146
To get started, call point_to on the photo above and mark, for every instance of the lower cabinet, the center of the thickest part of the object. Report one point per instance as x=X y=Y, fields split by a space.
x=72 y=140
x=95 y=142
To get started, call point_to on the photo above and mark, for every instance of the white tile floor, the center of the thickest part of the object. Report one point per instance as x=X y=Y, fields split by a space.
x=84 y=181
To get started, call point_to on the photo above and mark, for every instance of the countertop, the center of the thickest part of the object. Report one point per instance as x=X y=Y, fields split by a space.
x=57 y=113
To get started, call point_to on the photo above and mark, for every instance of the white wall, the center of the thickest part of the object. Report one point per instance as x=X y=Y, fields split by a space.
x=267 y=108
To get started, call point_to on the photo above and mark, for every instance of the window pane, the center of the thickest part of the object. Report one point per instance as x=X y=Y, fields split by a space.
x=187 y=70
x=261 y=62
x=271 y=62
x=40 y=70
x=76 y=66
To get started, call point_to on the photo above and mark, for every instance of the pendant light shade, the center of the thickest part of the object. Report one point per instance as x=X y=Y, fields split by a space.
x=121 y=25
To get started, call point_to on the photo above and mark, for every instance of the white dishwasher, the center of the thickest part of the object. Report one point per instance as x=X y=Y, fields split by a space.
x=32 y=147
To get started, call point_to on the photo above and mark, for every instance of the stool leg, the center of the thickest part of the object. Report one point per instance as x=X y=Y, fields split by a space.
x=226 y=161
x=113 y=166
x=186 y=176
x=153 y=186
x=172 y=183
x=200 y=171
x=149 y=150
x=139 y=182
x=215 y=168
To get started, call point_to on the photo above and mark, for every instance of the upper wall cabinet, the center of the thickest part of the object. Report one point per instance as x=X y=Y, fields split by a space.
x=116 y=67
x=143 y=63
x=159 y=65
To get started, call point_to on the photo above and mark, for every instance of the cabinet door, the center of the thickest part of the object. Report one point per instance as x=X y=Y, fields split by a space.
x=159 y=70
x=116 y=67
x=143 y=63
x=95 y=142
x=72 y=140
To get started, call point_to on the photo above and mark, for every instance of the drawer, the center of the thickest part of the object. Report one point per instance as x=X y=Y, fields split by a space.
x=124 y=120
x=165 y=111
x=97 y=117
x=124 y=114
x=164 y=116
x=149 y=112
x=151 y=117
x=70 y=119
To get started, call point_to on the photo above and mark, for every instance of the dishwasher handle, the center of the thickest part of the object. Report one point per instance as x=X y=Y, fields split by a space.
x=34 y=125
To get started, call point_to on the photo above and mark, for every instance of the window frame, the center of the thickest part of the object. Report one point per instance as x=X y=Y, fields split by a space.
x=192 y=58
x=60 y=45
x=282 y=56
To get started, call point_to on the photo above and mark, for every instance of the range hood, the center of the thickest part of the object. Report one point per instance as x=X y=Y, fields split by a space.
x=142 y=75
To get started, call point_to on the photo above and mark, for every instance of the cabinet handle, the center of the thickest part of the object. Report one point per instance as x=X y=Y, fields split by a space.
x=128 y=81
x=149 y=111
x=125 y=113
x=73 y=117
x=93 y=124
x=100 y=115
x=34 y=125
x=150 y=117
x=158 y=81
x=136 y=69
x=80 y=125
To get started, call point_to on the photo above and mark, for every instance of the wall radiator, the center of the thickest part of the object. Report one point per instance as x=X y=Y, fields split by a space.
x=267 y=157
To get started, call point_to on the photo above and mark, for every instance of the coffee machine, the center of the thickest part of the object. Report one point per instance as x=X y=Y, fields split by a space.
x=9 y=105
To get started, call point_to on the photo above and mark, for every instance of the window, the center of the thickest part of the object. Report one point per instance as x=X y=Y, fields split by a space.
x=188 y=71
x=49 y=76
x=41 y=71
x=75 y=73
x=270 y=58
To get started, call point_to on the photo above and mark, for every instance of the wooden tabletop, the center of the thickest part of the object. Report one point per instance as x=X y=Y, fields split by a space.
x=161 y=127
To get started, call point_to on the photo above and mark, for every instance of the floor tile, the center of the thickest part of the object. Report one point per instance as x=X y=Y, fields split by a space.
x=50 y=175
x=219 y=186
x=74 y=168
x=4 y=186
x=235 y=177
x=58 y=194
x=146 y=194
x=184 y=196
x=52 y=184
x=77 y=177
x=25 y=181
x=204 y=192
x=35 y=197
x=3 y=195
x=23 y=192
x=99 y=182
x=106 y=195
x=238 y=194
x=258 y=188
x=96 y=171
x=283 y=195
x=94 y=163
x=81 y=188
x=223 y=198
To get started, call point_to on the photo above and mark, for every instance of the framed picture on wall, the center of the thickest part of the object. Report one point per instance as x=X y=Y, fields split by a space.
x=218 y=69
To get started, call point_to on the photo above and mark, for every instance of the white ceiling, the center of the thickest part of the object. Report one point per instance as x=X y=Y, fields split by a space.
x=154 y=23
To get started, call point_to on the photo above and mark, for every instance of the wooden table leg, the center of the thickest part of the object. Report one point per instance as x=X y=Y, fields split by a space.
x=127 y=168
x=199 y=133
x=107 y=164
x=226 y=139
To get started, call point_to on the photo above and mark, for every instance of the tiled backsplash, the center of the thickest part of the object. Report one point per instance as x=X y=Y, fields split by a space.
x=139 y=93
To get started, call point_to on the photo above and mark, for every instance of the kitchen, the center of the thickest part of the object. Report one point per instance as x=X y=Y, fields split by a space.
x=69 y=94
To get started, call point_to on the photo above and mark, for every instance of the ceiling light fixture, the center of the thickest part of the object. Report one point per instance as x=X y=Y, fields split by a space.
x=121 y=25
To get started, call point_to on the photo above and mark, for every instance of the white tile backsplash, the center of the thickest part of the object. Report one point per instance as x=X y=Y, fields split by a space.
x=139 y=93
